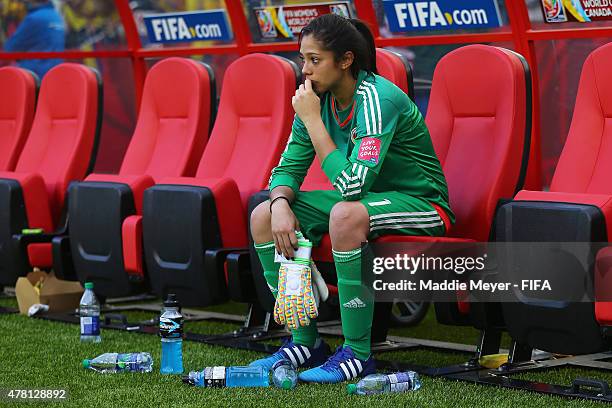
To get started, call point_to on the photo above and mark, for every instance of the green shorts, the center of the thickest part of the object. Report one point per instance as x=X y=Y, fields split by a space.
x=390 y=213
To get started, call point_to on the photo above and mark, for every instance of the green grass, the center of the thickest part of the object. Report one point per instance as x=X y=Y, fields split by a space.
x=44 y=354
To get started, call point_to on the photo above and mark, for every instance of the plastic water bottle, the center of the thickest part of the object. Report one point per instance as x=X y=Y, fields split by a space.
x=89 y=313
x=220 y=376
x=284 y=375
x=171 y=332
x=119 y=363
x=384 y=383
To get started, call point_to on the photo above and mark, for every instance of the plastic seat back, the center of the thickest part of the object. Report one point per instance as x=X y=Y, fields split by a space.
x=19 y=88
x=479 y=120
x=61 y=145
x=395 y=68
x=585 y=163
x=174 y=121
x=252 y=122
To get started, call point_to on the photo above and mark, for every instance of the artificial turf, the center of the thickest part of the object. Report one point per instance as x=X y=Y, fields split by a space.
x=44 y=354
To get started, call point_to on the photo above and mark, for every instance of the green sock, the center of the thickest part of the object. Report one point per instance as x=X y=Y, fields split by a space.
x=305 y=336
x=356 y=303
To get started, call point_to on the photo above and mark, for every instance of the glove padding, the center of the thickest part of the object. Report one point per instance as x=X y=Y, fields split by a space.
x=295 y=303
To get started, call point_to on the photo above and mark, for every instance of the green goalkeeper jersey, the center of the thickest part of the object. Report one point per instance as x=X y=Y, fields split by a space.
x=382 y=145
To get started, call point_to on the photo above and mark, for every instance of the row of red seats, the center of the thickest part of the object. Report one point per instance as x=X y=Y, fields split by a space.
x=479 y=120
x=104 y=238
x=576 y=209
x=183 y=218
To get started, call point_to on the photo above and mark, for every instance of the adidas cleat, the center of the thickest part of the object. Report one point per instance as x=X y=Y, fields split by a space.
x=300 y=356
x=342 y=366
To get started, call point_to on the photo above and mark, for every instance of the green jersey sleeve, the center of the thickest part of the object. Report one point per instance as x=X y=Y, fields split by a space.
x=295 y=160
x=376 y=124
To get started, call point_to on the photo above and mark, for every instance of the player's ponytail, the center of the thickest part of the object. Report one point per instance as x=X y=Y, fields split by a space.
x=339 y=35
x=369 y=40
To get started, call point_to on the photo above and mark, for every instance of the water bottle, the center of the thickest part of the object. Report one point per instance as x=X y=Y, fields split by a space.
x=383 y=383
x=171 y=332
x=249 y=376
x=89 y=313
x=284 y=375
x=119 y=363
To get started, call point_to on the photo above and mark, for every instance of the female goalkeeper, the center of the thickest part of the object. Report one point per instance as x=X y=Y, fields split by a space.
x=373 y=145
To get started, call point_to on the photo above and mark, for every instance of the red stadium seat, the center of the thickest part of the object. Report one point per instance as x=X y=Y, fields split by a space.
x=395 y=68
x=60 y=148
x=185 y=217
x=105 y=210
x=576 y=209
x=19 y=89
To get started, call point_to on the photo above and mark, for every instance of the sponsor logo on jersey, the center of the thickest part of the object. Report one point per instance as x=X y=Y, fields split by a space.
x=185 y=27
x=414 y=15
x=369 y=150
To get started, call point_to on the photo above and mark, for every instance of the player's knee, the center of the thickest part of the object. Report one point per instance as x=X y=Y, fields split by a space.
x=348 y=219
x=260 y=222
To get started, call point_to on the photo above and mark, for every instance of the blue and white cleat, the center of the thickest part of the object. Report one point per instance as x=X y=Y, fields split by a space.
x=342 y=366
x=300 y=356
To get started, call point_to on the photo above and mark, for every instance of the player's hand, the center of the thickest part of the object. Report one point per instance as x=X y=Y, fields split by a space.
x=284 y=225
x=306 y=103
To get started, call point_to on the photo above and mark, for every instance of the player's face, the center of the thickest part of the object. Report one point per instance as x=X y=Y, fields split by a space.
x=319 y=65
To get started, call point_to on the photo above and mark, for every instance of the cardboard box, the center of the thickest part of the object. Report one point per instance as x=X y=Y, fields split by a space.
x=40 y=287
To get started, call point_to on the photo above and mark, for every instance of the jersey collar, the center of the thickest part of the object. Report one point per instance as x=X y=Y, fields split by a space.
x=348 y=118
x=360 y=77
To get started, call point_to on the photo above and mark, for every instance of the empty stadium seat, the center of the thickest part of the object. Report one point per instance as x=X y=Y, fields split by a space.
x=105 y=230
x=60 y=148
x=576 y=209
x=185 y=217
x=19 y=88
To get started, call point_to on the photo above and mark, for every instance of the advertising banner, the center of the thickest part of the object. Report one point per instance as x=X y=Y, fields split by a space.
x=415 y=15
x=188 y=26
x=286 y=22
x=582 y=11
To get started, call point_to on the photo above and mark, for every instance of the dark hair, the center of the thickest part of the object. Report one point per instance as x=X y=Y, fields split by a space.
x=339 y=35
